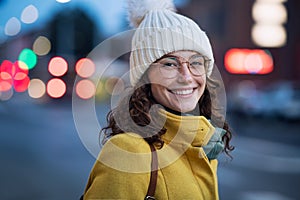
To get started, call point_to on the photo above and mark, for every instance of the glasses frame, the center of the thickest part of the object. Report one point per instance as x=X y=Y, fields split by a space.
x=179 y=60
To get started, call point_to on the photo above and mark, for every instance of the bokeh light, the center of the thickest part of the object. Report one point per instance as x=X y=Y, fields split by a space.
x=28 y=57
x=119 y=87
x=248 y=61
x=7 y=66
x=30 y=14
x=85 y=67
x=12 y=27
x=41 y=46
x=269 y=19
x=114 y=85
x=272 y=1
x=58 y=66
x=63 y=1
x=11 y=74
x=22 y=66
x=36 y=88
x=6 y=81
x=270 y=13
x=85 y=89
x=13 y=68
x=253 y=63
x=264 y=35
x=100 y=91
x=6 y=95
x=56 y=88
x=21 y=82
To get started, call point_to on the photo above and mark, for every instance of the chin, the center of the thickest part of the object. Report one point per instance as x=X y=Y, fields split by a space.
x=185 y=109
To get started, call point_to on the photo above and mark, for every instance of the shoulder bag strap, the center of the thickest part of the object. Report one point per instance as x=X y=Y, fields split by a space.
x=153 y=175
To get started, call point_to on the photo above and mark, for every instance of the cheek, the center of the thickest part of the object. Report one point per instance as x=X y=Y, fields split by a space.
x=201 y=80
x=159 y=84
x=155 y=77
x=158 y=92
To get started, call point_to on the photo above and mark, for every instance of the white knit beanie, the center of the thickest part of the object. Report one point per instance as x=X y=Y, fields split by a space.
x=159 y=31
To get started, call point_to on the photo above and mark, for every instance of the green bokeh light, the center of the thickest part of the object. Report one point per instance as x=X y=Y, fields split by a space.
x=28 y=57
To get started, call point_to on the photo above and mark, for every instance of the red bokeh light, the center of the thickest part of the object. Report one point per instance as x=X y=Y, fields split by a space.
x=6 y=81
x=13 y=74
x=21 y=82
x=248 y=61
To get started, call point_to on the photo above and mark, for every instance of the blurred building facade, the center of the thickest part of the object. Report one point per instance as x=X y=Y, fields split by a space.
x=228 y=23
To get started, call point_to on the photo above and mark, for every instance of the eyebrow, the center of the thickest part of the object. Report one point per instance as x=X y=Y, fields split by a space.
x=173 y=56
x=168 y=56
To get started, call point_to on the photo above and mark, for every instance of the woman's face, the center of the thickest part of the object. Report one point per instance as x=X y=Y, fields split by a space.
x=182 y=91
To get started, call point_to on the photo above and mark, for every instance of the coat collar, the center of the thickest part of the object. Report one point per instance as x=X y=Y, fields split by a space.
x=194 y=130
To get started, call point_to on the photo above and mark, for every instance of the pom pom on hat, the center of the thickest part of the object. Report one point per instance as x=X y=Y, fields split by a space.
x=137 y=9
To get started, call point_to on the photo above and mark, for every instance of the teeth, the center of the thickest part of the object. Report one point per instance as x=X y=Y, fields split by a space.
x=182 y=92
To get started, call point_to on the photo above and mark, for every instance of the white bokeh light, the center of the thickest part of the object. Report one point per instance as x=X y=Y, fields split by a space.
x=271 y=13
x=6 y=95
x=41 y=46
x=12 y=27
x=270 y=17
x=63 y=1
x=30 y=14
x=36 y=88
x=269 y=35
x=272 y=1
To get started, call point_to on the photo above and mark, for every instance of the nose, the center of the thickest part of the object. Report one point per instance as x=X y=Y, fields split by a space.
x=185 y=74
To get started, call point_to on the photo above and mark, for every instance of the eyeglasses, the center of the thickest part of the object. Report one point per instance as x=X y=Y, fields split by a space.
x=170 y=66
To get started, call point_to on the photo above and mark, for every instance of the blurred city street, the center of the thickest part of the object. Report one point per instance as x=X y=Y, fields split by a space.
x=41 y=154
x=43 y=158
x=53 y=49
x=266 y=161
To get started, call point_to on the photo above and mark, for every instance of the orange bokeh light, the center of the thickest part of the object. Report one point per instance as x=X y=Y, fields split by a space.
x=85 y=67
x=58 y=66
x=56 y=88
x=85 y=89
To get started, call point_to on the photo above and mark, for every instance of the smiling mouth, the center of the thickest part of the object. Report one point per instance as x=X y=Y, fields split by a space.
x=182 y=91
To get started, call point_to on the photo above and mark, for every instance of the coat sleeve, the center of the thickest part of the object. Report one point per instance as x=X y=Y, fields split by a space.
x=107 y=183
x=117 y=176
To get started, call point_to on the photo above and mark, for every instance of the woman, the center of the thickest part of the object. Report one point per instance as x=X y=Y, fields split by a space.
x=172 y=106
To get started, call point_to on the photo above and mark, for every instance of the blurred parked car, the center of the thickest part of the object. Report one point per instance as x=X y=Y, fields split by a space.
x=291 y=109
x=280 y=100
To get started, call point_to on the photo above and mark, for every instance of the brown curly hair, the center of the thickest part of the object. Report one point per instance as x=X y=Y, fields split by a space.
x=134 y=114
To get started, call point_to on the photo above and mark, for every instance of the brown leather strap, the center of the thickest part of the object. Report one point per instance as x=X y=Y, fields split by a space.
x=153 y=175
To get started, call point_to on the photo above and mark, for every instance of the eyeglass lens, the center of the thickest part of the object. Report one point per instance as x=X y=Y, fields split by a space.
x=170 y=66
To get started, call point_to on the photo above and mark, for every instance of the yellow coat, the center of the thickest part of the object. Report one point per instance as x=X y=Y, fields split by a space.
x=122 y=170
